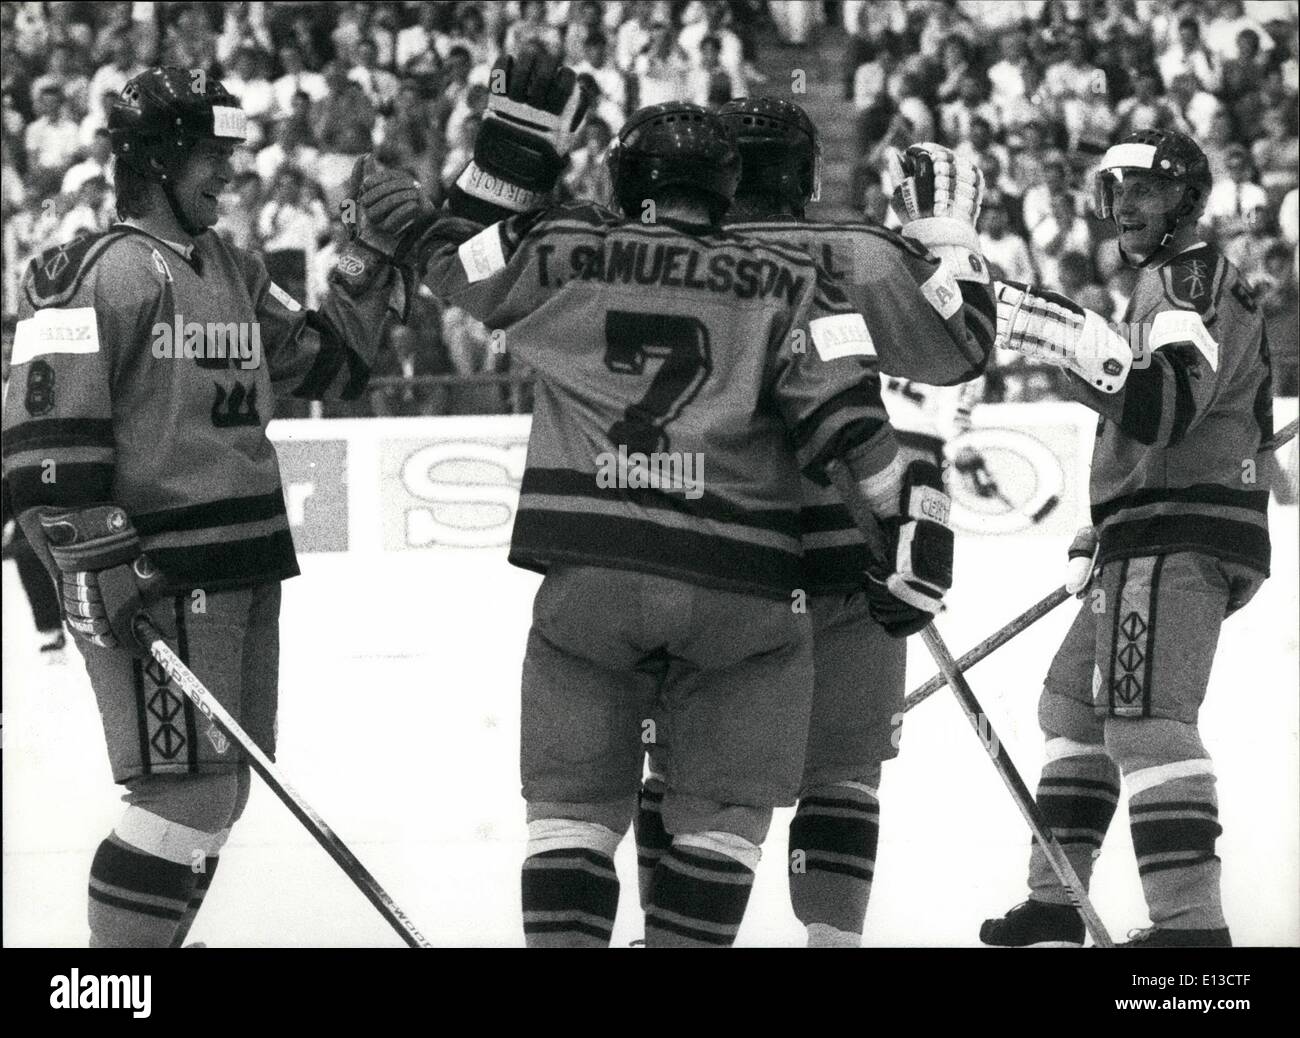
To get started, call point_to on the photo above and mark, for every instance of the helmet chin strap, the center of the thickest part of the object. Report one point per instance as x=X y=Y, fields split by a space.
x=1161 y=251
x=186 y=225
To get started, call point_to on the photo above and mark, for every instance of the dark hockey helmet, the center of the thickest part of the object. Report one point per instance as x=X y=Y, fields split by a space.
x=779 y=151
x=164 y=111
x=1167 y=154
x=674 y=144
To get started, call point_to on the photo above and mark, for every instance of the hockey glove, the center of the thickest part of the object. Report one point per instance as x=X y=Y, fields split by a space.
x=1049 y=327
x=534 y=111
x=373 y=246
x=937 y=196
x=392 y=203
x=1083 y=557
x=99 y=568
x=920 y=543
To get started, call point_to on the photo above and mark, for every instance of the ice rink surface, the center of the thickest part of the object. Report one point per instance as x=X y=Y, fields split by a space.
x=410 y=751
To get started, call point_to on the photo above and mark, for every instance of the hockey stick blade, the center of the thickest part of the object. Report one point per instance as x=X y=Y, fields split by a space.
x=1002 y=762
x=207 y=704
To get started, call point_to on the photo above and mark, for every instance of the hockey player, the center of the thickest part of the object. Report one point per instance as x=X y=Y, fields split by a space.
x=655 y=334
x=929 y=319
x=1180 y=541
x=145 y=366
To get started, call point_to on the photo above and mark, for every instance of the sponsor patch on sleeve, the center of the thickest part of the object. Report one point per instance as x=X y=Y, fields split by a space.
x=283 y=298
x=841 y=335
x=942 y=291
x=56 y=331
x=1172 y=326
x=482 y=255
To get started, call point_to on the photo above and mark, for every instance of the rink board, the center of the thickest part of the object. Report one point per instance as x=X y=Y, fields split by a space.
x=402 y=645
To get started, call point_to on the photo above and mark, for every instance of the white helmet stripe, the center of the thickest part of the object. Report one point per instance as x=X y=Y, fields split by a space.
x=229 y=122
x=1140 y=156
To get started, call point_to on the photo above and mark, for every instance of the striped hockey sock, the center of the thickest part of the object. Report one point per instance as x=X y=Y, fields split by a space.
x=202 y=881
x=570 y=888
x=1174 y=817
x=1077 y=793
x=137 y=900
x=652 y=839
x=832 y=856
x=700 y=889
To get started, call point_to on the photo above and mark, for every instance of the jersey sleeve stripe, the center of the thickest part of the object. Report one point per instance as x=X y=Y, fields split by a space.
x=358 y=375
x=229 y=512
x=78 y=484
x=848 y=420
x=1184 y=402
x=329 y=360
x=53 y=433
x=1144 y=403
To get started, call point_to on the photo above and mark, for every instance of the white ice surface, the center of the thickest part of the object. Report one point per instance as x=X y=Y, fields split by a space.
x=408 y=748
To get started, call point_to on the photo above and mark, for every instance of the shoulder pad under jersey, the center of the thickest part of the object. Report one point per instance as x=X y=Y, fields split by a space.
x=1193 y=280
x=584 y=212
x=812 y=229
x=899 y=241
x=54 y=276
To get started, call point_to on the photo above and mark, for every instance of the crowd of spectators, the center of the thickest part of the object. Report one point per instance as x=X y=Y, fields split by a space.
x=1033 y=91
x=322 y=84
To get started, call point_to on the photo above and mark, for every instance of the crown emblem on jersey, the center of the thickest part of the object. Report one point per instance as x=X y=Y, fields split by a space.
x=238 y=407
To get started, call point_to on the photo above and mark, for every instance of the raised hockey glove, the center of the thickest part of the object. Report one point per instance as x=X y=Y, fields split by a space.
x=373 y=249
x=393 y=203
x=906 y=597
x=1083 y=557
x=101 y=572
x=937 y=195
x=1049 y=327
x=535 y=108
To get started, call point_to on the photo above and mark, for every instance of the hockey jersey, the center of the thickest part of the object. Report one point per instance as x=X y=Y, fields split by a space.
x=928 y=332
x=145 y=377
x=685 y=377
x=1179 y=459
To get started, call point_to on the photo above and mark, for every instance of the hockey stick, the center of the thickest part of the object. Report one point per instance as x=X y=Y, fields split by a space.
x=1006 y=768
x=1039 y=609
x=1283 y=435
x=994 y=641
x=149 y=634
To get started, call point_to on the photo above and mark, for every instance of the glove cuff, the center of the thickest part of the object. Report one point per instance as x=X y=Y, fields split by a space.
x=490 y=187
x=953 y=241
x=93 y=538
x=358 y=267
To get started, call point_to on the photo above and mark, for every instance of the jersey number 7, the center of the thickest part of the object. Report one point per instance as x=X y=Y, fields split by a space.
x=683 y=344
